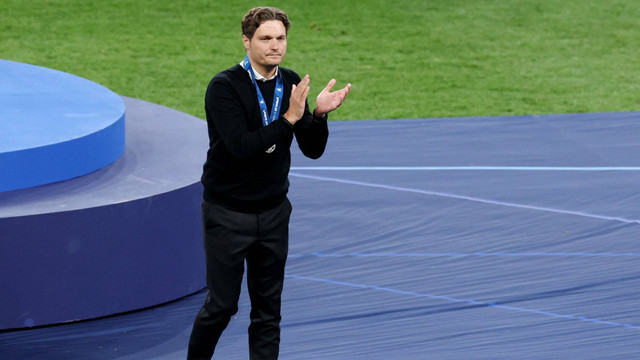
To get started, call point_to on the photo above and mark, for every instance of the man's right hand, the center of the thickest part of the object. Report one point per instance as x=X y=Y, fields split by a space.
x=298 y=100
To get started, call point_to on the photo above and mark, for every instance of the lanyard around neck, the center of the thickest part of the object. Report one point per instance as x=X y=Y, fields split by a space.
x=277 y=96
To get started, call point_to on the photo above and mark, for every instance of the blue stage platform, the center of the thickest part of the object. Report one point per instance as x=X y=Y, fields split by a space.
x=123 y=237
x=55 y=126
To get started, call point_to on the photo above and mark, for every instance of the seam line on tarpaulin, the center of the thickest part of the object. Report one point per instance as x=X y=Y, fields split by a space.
x=466 y=301
x=468 y=198
x=461 y=255
x=467 y=168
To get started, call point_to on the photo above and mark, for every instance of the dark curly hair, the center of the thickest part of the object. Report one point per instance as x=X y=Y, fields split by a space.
x=256 y=16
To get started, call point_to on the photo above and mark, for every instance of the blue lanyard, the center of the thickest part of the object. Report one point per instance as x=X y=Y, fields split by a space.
x=277 y=96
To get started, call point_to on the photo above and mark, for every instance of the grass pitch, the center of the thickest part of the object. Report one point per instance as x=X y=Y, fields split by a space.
x=405 y=59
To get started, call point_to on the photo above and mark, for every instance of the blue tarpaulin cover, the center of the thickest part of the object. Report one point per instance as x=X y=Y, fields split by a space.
x=462 y=238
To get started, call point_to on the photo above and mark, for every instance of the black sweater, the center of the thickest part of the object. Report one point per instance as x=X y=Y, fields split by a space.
x=239 y=173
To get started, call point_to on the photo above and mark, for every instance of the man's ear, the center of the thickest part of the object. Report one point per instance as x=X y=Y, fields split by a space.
x=246 y=41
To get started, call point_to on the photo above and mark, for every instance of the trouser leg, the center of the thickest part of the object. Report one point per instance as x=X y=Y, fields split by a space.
x=227 y=235
x=266 y=260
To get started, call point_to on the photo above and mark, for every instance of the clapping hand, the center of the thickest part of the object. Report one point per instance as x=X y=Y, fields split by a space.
x=328 y=101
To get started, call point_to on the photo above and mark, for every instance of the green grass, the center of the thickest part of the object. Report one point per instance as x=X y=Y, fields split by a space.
x=406 y=59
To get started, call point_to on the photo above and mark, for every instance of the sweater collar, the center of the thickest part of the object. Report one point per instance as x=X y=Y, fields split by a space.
x=259 y=76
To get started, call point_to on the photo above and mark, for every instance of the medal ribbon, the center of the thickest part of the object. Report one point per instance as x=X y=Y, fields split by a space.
x=277 y=96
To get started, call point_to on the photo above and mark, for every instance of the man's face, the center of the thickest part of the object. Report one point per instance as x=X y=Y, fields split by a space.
x=267 y=47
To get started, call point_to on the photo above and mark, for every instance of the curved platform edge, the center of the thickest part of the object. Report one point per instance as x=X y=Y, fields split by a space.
x=64 y=161
x=55 y=126
x=164 y=151
x=95 y=262
x=122 y=238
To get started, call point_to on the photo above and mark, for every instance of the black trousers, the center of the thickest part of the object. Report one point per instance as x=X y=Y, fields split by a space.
x=231 y=238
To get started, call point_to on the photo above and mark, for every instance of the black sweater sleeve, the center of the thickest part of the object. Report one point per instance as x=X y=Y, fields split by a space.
x=312 y=135
x=311 y=132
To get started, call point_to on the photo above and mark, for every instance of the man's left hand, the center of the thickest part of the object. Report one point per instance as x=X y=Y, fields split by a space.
x=328 y=101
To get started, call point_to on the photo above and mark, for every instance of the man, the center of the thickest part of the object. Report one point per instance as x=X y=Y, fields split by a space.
x=253 y=111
